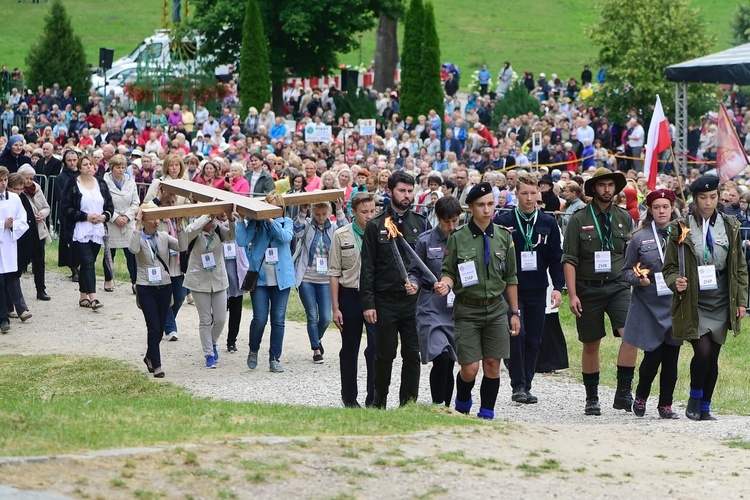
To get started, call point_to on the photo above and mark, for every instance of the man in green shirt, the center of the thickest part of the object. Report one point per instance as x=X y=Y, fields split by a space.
x=593 y=256
x=480 y=262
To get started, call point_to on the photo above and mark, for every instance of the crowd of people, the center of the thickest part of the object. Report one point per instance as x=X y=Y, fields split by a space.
x=452 y=236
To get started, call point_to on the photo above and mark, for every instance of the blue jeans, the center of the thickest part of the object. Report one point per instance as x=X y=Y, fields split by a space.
x=267 y=299
x=178 y=294
x=317 y=301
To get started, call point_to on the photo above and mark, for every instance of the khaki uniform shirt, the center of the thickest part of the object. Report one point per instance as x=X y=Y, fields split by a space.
x=344 y=257
x=582 y=241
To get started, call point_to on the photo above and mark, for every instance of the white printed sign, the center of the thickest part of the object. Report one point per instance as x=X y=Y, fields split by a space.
x=366 y=127
x=318 y=133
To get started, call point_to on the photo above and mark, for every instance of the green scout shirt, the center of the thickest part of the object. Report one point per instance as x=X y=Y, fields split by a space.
x=582 y=240
x=467 y=245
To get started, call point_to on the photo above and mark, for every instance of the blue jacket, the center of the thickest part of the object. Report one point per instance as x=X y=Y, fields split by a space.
x=263 y=235
x=549 y=252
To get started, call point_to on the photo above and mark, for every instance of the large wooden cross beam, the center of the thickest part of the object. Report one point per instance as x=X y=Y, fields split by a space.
x=214 y=201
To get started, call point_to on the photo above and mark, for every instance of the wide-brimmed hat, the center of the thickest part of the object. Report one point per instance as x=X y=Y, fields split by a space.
x=604 y=173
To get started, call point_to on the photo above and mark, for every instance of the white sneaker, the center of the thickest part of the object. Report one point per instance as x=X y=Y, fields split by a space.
x=172 y=337
x=189 y=299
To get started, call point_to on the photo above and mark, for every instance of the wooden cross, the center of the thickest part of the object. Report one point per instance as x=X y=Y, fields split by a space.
x=215 y=201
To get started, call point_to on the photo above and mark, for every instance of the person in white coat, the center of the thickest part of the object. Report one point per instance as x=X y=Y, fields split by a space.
x=122 y=224
x=13 y=219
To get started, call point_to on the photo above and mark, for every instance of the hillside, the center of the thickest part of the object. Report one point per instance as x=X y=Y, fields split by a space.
x=541 y=35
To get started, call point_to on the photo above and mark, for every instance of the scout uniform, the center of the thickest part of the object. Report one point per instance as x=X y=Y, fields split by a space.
x=713 y=262
x=538 y=248
x=480 y=264
x=480 y=274
x=345 y=262
x=382 y=288
x=594 y=244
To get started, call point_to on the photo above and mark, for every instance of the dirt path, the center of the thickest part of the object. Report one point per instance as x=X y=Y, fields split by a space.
x=616 y=456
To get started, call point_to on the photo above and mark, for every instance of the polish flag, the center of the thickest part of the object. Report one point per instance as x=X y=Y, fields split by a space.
x=658 y=142
x=730 y=155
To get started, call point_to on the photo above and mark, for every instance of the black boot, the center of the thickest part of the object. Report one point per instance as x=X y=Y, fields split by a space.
x=693 y=410
x=623 y=400
x=378 y=401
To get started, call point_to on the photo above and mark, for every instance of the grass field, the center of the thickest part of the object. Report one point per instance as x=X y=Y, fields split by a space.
x=542 y=36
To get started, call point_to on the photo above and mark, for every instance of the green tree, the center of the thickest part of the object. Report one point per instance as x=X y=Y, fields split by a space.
x=357 y=103
x=517 y=101
x=432 y=91
x=637 y=40
x=741 y=25
x=58 y=56
x=411 y=57
x=255 y=82
x=304 y=38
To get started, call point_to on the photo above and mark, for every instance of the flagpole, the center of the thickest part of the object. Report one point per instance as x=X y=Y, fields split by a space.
x=679 y=180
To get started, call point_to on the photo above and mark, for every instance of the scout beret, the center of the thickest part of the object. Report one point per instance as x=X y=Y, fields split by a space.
x=479 y=190
x=704 y=184
x=659 y=194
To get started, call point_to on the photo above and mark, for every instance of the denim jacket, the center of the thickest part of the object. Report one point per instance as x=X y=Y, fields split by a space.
x=309 y=234
x=263 y=235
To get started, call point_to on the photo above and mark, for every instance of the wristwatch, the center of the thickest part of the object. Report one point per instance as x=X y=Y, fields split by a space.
x=515 y=313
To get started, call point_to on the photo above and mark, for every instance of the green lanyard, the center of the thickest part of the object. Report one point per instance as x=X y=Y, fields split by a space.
x=527 y=233
x=208 y=243
x=607 y=243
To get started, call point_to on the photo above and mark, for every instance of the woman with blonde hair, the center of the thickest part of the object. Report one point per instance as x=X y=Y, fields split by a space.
x=174 y=168
x=125 y=200
x=86 y=205
x=151 y=249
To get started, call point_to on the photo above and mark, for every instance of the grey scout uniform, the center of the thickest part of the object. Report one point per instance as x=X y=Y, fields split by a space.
x=434 y=316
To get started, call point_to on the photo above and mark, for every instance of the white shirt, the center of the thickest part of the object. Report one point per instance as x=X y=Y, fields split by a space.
x=636 y=137
x=92 y=202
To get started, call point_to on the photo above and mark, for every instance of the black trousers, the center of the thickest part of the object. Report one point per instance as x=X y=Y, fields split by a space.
x=154 y=302
x=396 y=317
x=351 y=338
x=524 y=347
x=35 y=256
x=234 y=306
x=85 y=255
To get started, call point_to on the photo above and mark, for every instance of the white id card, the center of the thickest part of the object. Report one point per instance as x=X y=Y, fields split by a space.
x=321 y=265
x=154 y=275
x=172 y=253
x=230 y=251
x=208 y=261
x=451 y=298
x=528 y=261
x=661 y=285
x=272 y=255
x=707 y=277
x=468 y=273
x=603 y=262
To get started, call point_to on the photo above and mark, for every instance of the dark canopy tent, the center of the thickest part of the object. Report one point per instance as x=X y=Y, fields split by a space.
x=731 y=66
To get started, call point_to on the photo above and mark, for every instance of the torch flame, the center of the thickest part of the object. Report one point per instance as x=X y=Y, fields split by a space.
x=640 y=272
x=684 y=230
x=393 y=231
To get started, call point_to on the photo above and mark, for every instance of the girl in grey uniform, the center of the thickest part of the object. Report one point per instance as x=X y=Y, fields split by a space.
x=435 y=313
x=649 y=326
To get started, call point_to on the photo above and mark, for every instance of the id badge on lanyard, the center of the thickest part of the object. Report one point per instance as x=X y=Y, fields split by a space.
x=468 y=273
x=707 y=277
x=154 y=275
x=603 y=262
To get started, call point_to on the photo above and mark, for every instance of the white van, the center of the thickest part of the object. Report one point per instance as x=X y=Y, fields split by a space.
x=158 y=50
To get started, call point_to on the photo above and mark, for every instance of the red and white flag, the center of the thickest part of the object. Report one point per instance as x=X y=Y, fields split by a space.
x=658 y=142
x=730 y=155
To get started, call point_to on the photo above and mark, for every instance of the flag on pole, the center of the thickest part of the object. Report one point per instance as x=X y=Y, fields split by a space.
x=658 y=142
x=730 y=155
